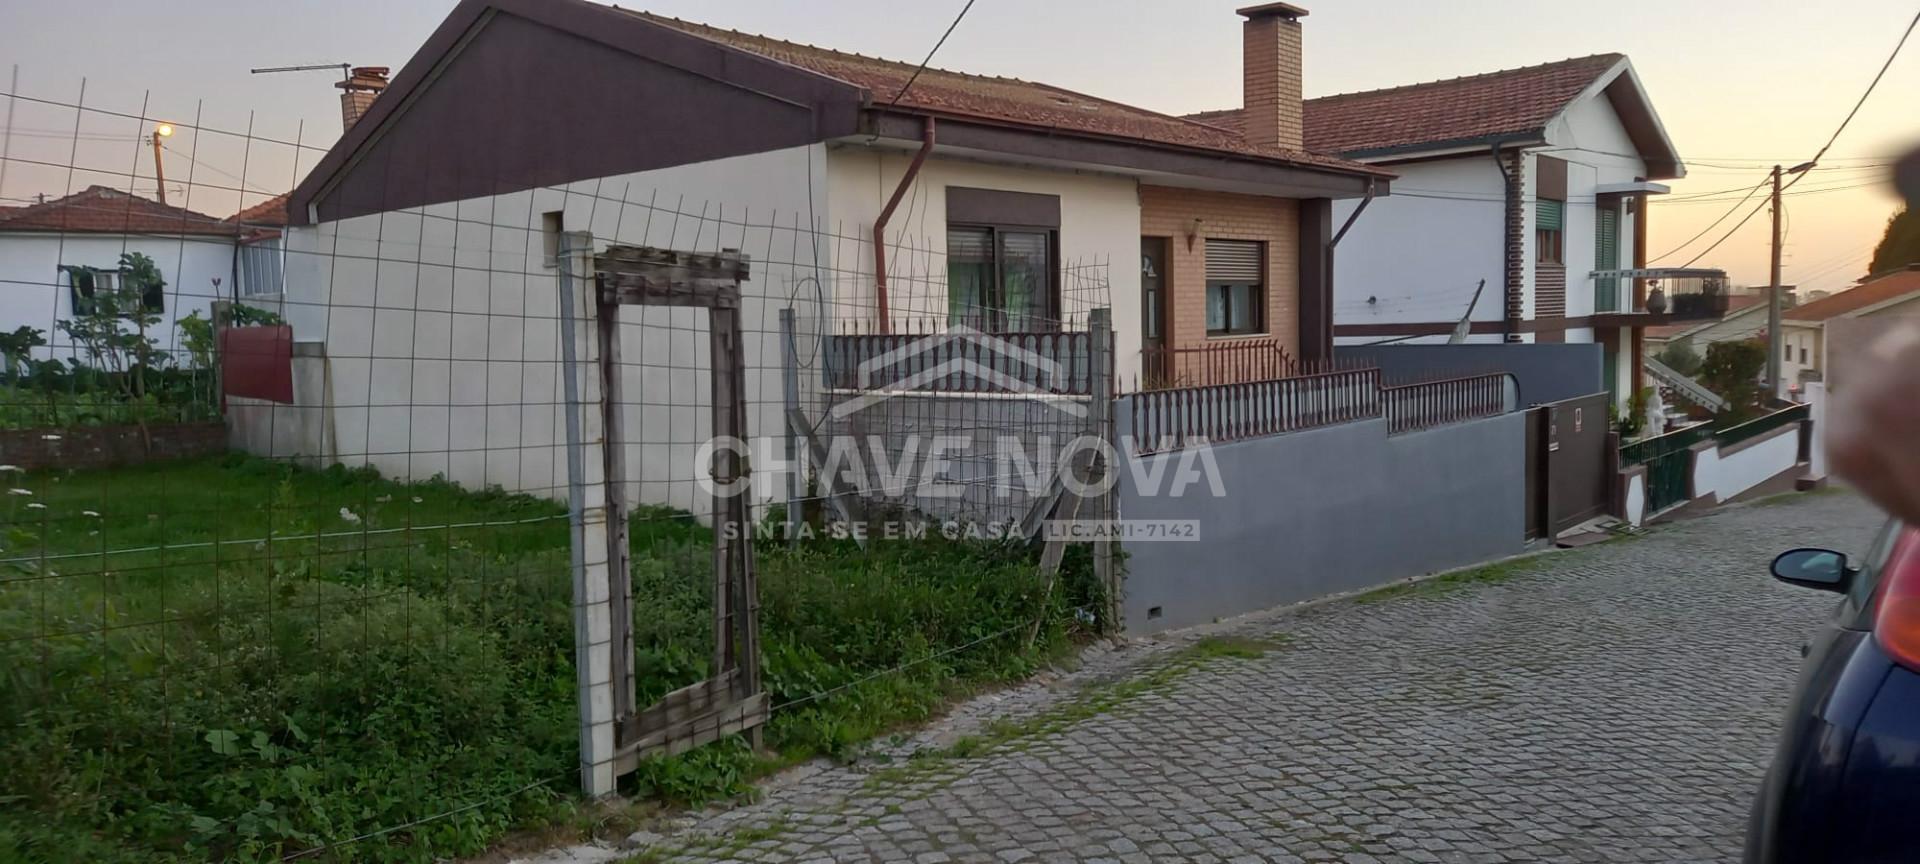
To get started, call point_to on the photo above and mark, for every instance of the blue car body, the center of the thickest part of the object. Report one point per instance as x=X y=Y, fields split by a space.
x=1845 y=780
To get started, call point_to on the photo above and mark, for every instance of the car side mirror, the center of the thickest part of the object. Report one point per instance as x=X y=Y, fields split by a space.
x=1819 y=569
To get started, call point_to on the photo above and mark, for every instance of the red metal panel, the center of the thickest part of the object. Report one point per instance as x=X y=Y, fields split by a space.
x=257 y=363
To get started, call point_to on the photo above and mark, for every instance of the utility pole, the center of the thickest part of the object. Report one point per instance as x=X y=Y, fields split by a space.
x=1774 y=339
x=160 y=173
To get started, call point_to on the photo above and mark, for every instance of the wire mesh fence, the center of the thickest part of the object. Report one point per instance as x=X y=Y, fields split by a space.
x=351 y=622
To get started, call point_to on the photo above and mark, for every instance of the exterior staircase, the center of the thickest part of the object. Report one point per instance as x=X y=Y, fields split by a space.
x=1689 y=389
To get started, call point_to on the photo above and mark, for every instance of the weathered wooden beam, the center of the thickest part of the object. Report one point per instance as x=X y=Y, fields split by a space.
x=677 y=708
x=839 y=496
x=729 y=265
x=731 y=718
x=635 y=289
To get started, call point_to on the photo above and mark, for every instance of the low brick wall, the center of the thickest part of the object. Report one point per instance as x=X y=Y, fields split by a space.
x=109 y=446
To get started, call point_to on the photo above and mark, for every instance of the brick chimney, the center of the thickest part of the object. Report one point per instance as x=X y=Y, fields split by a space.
x=1270 y=75
x=358 y=91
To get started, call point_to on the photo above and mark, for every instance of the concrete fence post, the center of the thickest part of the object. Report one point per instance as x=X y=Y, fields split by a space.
x=1100 y=421
x=593 y=624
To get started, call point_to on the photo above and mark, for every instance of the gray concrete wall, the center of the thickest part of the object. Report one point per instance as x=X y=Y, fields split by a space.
x=301 y=432
x=1546 y=373
x=1323 y=511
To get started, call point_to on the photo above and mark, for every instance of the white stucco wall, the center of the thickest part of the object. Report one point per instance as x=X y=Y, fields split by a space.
x=1636 y=499
x=1417 y=254
x=440 y=323
x=34 y=293
x=1797 y=337
x=1099 y=231
x=1588 y=135
x=1727 y=474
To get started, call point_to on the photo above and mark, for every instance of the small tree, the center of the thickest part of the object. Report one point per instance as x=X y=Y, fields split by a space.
x=1681 y=358
x=17 y=347
x=111 y=326
x=1732 y=369
x=1899 y=245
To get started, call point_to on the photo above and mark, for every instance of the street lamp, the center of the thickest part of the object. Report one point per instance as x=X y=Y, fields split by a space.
x=163 y=130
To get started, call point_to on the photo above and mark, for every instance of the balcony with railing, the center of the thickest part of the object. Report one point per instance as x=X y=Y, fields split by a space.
x=1672 y=294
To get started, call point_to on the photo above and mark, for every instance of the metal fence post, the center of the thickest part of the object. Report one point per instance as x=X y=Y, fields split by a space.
x=593 y=620
x=790 y=387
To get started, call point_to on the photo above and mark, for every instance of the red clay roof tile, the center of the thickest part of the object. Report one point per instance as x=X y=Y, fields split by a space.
x=271 y=213
x=1896 y=284
x=101 y=209
x=1003 y=99
x=1475 y=107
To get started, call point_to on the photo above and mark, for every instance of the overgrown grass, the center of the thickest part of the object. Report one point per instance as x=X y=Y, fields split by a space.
x=1458 y=580
x=291 y=658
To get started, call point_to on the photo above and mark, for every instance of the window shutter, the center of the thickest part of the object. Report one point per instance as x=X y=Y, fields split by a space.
x=1234 y=261
x=1549 y=215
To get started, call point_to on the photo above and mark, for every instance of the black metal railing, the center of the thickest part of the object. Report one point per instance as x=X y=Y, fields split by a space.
x=1761 y=425
x=1667 y=461
x=1188 y=416
x=1411 y=407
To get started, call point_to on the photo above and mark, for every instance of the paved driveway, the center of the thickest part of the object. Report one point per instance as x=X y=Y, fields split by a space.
x=1616 y=704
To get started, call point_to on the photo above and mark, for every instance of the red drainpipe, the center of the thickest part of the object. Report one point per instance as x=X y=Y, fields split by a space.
x=880 y=225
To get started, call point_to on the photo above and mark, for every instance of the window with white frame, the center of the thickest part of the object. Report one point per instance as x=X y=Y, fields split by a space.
x=263 y=267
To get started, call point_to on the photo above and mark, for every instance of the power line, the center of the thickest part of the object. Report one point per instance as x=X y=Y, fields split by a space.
x=1730 y=232
x=929 y=58
x=1703 y=231
x=1863 y=96
x=1804 y=170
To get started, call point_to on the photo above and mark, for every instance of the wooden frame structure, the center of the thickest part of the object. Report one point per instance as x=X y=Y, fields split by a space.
x=731 y=700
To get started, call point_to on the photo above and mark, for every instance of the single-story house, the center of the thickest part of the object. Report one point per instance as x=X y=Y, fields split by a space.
x=1524 y=181
x=1746 y=318
x=55 y=253
x=420 y=250
x=1820 y=337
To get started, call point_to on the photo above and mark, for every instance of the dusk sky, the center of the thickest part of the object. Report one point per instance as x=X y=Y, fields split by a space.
x=1740 y=86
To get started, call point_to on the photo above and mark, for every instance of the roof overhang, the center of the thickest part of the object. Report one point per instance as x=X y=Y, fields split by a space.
x=1628 y=98
x=833 y=105
x=1625 y=95
x=1636 y=187
x=1151 y=162
x=1449 y=149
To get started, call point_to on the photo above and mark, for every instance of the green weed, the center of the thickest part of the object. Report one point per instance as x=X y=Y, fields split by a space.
x=376 y=653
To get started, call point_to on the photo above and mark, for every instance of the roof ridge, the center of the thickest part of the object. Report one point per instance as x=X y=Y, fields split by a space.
x=1615 y=57
x=101 y=192
x=910 y=67
x=1846 y=300
x=903 y=64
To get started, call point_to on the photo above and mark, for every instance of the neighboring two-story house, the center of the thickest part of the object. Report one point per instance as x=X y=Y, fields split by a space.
x=1525 y=181
x=420 y=250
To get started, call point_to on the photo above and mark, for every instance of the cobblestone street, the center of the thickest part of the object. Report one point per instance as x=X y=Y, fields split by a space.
x=1614 y=703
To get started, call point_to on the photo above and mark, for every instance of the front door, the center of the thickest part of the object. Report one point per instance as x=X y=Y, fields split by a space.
x=1153 y=308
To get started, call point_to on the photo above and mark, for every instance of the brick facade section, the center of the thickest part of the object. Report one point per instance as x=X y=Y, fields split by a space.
x=1514 y=165
x=86 y=447
x=1270 y=85
x=1169 y=213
